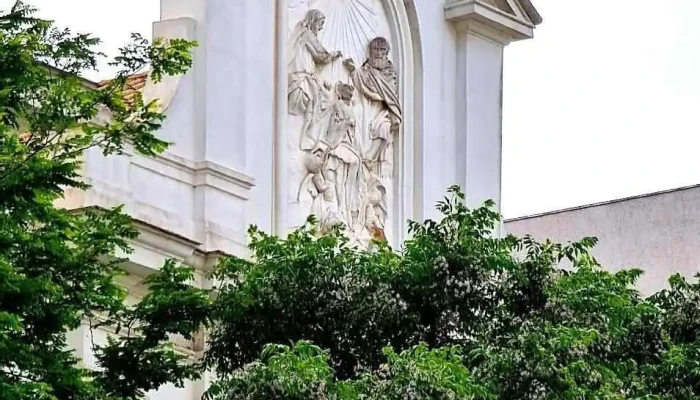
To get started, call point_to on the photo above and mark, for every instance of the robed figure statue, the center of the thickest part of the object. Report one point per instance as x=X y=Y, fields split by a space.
x=307 y=93
x=376 y=81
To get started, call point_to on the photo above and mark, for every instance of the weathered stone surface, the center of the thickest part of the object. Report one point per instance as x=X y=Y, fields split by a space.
x=345 y=115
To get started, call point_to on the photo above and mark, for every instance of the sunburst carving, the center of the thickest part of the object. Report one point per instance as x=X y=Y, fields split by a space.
x=350 y=25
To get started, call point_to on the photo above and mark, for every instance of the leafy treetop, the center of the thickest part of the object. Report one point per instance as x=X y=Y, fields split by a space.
x=456 y=313
x=53 y=271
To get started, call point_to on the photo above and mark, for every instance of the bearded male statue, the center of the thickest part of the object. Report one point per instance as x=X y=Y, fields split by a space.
x=376 y=81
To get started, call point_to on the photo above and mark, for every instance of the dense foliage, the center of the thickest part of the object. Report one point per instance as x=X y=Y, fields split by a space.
x=53 y=271
x=457 y=313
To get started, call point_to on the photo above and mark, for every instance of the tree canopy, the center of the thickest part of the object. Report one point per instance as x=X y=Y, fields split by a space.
x=457 y=313
x=55 y=269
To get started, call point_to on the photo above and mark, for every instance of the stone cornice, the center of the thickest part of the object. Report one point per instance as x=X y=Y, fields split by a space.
x=531 y=11
x=201 y=173
x=488 y=20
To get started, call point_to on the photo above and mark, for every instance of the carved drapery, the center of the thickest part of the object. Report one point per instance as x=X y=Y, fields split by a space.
x=345 y=114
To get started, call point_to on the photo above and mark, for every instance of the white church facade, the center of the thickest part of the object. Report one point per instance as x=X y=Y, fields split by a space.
x=361 y=112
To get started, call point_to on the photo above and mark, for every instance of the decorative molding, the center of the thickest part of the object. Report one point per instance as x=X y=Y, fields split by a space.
x=194 y=173
x=155 y=241
x=207 y=173
x=206 y=261
x=493 y=22
x=197 y=174
x=174 y=245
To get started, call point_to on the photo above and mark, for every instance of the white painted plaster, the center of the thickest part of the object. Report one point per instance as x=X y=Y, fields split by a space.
x=228 y=118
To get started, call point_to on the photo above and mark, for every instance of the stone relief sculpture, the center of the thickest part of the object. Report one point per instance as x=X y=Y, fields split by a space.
x=306 y=57
x=376 y=80
x=350 y=117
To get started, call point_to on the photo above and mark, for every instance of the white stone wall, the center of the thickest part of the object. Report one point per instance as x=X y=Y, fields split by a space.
x=227 y=116
x=659 y=233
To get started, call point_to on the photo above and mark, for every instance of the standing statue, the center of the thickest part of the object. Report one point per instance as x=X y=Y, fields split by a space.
x=306 y=91
x=344 y=158
x=377 y=82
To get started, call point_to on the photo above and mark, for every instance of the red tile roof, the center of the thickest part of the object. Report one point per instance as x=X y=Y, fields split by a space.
x=134 y=84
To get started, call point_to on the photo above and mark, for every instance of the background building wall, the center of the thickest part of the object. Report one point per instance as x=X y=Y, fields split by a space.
x=658 y=232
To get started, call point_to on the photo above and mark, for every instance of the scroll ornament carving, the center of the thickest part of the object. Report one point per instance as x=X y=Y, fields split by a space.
x=347 y=132
x=162 y=92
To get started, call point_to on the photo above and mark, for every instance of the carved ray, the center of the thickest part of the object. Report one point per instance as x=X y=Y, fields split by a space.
x=350 y=26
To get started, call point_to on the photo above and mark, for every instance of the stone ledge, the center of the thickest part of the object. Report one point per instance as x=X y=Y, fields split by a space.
x=82 y=338
x=202 y=234
x=505 y=27
x=103 y=195
x=157 y=244
x=197 y=174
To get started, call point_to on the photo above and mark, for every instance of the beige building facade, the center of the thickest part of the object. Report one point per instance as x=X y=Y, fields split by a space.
x=657 y=232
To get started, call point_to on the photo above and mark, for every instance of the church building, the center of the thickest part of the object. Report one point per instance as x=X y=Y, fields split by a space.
x=360 y=112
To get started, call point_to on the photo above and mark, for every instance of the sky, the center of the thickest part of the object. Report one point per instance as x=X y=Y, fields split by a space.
x=112 y=21
x=603 y=103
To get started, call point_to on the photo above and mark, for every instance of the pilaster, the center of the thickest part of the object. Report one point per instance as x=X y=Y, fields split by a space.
x=239 y=96
x=231 y=128
x=483 y=30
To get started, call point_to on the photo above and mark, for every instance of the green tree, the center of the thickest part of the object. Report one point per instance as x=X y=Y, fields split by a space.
x=55 y=269
x=456 y=313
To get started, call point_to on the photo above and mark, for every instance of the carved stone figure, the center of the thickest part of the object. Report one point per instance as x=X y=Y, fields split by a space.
x=374 y=213
x=306 y=90
x=344 y=158
x=376 y=80
x=323 y=192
